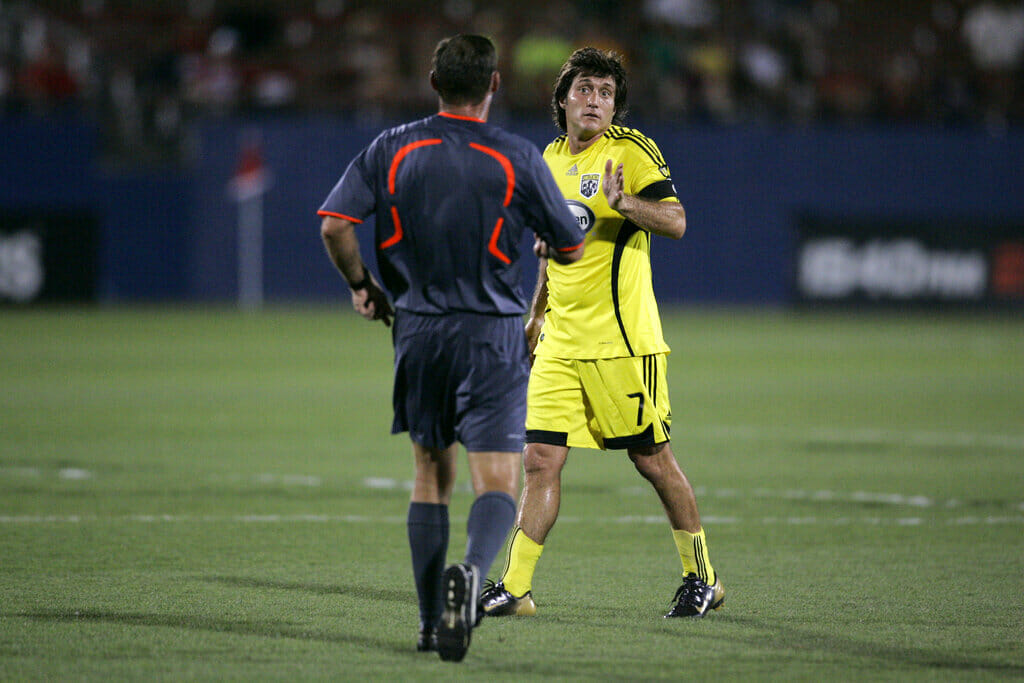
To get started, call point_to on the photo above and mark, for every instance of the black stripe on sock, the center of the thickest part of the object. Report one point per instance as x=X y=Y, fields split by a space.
x=508 y=554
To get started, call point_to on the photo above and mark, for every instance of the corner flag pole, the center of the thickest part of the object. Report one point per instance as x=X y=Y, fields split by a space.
x=250 y=182
x=250 y=252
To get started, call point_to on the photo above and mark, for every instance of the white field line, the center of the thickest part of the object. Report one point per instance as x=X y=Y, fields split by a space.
x=79 y=474
x=827 y=496
x=863 y=437
x=400 y=519
x=72 y=473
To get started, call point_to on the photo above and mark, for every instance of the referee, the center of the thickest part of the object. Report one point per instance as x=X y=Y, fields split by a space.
x=451 y=196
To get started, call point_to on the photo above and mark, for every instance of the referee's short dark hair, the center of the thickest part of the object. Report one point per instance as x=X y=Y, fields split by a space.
x=589 y=61
x=462 y=68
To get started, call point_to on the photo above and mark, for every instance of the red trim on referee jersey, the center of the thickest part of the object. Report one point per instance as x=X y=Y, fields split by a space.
x=571 y=248
x=492 y=246
x=460 y=117
x=392 y=172
x=400 y=154
x=396 y=238
x=510 y=186
x=510 y=174
x=339 y=215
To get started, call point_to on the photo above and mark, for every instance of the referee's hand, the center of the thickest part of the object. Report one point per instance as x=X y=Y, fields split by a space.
x=372 y=303
x=540 y=247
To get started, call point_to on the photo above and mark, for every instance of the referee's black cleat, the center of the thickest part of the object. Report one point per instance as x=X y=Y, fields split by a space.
x=695 y=598
x=498 y=602
x=461 y=584
x=427 y=641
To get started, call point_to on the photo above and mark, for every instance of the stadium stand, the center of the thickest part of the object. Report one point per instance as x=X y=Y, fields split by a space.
x=147 y=68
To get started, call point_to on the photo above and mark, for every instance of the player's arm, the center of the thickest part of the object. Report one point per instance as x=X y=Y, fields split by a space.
x=558 y=235
x=563 y=256
x=540 y=300
x=544 y=252
x=667 y=219
x=368 y=298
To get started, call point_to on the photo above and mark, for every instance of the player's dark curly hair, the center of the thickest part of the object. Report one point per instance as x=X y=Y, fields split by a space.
x=589 y=61
x=462 y=68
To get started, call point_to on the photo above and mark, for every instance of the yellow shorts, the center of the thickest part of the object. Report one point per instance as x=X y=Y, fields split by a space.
x=613 y=403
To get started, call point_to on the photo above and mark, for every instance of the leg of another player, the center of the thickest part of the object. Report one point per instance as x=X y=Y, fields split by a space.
x=658 y=465
x=495 y=477
x=538 y=510
x=427 y=527
x=542 y=489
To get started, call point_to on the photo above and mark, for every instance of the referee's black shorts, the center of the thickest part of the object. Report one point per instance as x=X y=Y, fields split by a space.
x=461 y=377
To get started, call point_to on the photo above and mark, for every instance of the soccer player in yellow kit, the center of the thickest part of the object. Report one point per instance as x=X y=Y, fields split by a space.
x=599 y=375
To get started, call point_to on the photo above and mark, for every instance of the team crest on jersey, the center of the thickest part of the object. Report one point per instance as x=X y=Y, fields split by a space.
x=589 y=184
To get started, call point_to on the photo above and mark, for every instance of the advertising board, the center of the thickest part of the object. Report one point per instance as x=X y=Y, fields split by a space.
x=47 y=256
x=892 y=261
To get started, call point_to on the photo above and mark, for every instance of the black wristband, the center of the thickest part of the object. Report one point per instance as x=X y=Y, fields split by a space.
x=362 y=284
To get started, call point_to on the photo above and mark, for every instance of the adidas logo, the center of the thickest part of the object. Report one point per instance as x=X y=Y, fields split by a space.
x=573 y=170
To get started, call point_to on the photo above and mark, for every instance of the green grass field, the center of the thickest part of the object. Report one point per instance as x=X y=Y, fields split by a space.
x=205 y=494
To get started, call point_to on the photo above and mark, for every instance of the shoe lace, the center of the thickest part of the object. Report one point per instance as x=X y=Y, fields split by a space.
x=691 y=591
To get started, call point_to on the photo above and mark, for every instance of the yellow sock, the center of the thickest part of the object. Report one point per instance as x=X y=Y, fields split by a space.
x=523 y=554
x=693 y=551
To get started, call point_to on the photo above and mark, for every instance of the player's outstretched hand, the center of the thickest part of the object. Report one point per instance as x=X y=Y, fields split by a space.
x=613 y=185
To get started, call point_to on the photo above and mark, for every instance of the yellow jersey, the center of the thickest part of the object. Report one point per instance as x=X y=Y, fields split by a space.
x=603 y=306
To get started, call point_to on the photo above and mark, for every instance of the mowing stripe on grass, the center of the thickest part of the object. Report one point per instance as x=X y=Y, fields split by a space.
x=401 y=519
x=819 y=496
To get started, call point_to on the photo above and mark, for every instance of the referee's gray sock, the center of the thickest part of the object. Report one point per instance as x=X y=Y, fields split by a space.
x=427 y=525
x=490 y=519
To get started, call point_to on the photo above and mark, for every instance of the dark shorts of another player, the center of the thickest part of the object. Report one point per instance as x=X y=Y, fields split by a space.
x=461 y=377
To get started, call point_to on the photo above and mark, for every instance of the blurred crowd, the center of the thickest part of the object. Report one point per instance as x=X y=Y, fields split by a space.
x=148 y=67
